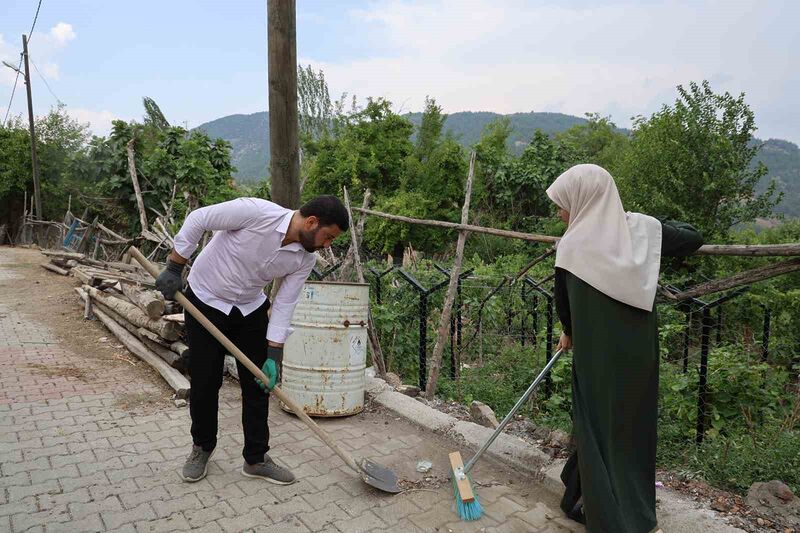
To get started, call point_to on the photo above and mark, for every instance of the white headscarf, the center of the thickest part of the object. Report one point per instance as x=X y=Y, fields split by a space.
x=617 y=253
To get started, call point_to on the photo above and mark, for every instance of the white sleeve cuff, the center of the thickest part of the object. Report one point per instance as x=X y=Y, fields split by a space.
x=184 y=248
x=278 y=334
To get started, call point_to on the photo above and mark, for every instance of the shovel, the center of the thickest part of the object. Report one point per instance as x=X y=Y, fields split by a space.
x=371 y=473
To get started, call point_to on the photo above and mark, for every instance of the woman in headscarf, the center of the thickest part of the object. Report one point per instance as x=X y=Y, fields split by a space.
x=607 y=266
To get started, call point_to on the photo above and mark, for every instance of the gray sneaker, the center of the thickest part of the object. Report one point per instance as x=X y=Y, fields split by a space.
x=270 y=471
x=196 y=466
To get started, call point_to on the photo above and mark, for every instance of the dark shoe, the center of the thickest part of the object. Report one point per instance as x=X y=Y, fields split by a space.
x=577 y=514
x=196 y=466
x=270 y=471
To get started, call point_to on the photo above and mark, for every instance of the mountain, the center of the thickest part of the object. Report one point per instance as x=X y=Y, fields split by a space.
x=249 y=134
x=782 y=159
x=467 y=126
x=249 y=138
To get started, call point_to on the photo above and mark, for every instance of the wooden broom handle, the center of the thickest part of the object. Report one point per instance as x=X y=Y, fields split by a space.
x=242 y=358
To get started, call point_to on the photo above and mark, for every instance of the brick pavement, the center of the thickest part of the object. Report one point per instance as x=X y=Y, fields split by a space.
x=74 y=456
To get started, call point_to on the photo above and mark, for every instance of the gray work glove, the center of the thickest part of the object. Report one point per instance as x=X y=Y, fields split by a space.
x=272 y=368
x=170 y=279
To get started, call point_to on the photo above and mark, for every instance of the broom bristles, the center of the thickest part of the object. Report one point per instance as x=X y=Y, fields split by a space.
x=466 y=510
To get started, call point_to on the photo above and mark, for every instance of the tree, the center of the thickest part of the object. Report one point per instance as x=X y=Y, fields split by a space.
x=368 y=149
x=491 y=148
x=516 y=187
x=315 y=110
x=430 y=129
x=61 y=146
x=692 y=161
x=598 y=141
x=196 y=168
x=15 y=169
x=153 y=115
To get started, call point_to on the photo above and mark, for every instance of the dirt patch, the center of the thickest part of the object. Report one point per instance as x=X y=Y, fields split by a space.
x=139 y=402
x=64 y=371
x=50 y=300
x=732 y=506
x=427 y=482
x=487 y=473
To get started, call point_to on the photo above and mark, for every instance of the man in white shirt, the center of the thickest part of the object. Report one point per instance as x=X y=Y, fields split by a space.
x=255 y=241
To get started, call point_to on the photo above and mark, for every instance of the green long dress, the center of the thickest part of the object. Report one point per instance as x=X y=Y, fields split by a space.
x=614 y=399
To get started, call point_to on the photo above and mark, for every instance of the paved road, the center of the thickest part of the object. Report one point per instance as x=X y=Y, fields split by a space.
x=89 y=441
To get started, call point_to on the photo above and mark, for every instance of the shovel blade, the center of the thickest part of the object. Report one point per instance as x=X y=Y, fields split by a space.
x=379 y=476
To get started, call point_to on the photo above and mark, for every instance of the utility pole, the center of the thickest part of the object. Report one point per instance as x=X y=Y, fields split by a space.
x=35 y=166
x=282 y=74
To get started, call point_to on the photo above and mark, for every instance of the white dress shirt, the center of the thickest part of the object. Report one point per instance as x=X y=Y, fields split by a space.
x=244 y=255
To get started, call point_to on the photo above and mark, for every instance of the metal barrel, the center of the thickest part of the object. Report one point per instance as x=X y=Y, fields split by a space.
x=325 y=358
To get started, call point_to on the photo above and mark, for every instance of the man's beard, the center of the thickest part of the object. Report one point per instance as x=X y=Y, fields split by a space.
x=308 y=241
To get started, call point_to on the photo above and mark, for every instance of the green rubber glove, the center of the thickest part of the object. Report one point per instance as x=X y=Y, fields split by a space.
x=271 y=368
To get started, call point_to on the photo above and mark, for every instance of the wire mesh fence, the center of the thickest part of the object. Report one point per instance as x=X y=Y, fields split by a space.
x=503 y=329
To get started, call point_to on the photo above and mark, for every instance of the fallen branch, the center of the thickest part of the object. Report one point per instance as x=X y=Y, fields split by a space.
x=144 y=333
x=168 y=330
x=154 y=237
x=116 y=236
x=151 y=302
x=80 y=258
x=166 y=355
x=743 y=278
x=154 y=343
x=53 y=268
x=90 y=275
x=160 y=229
x=751 y=250
x=136 y=189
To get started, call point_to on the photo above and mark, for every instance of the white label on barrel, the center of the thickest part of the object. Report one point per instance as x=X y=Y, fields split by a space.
x=309 y=293
x=357 y=349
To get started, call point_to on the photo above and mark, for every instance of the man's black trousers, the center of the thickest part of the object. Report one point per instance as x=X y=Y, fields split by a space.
x=206 y=362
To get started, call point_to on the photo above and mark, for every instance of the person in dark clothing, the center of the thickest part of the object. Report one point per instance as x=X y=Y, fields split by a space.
x=607 y=266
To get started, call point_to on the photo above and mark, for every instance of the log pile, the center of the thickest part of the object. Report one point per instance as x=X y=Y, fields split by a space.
x=154 y=340
x=94 y=272
x=123 y=298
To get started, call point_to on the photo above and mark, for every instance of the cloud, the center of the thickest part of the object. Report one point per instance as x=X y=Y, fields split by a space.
x=623 y=58
x=99 y=121
x=62 y=33
x=45 y=48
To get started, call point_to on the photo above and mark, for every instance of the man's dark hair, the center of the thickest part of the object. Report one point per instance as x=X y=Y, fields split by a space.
x=329 y=210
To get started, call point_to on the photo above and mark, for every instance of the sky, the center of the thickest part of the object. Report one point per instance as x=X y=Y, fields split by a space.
x=202 y=59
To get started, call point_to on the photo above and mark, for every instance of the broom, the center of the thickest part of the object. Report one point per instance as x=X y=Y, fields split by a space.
x=467 y=504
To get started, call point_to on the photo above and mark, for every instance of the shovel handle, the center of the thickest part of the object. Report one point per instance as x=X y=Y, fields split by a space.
x=242 y=358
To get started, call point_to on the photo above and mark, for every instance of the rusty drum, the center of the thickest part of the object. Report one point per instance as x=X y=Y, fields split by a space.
x=325 y=358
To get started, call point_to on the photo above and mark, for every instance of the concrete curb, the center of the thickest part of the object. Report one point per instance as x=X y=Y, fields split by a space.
x=507 y=449
x=675 y=512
